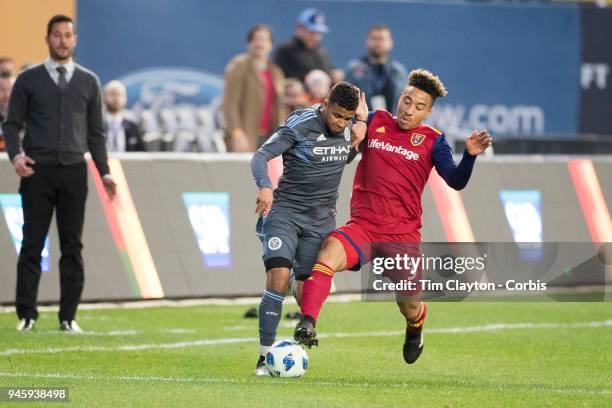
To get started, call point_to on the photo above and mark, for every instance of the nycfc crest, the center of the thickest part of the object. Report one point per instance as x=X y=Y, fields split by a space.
x=416 y=139
x=274 y=243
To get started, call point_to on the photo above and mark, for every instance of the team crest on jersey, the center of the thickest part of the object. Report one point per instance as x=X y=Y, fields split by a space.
x=416 y=139
x=347 y=134
x=274 y=243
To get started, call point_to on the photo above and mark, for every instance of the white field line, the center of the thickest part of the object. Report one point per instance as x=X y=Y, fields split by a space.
x=179 y=330
x=259 y=382
x=112 y=333
x=233 y=340
x=289 y=300
x=245 y=327
x=145 y=304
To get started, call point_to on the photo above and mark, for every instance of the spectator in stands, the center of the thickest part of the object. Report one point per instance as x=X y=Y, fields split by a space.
x=302 y=53
x=122 y=134
x=318 y=85
x=6 y=85
x=295 y=97
x=252 y=98
x=376 y=73
x=7 y=64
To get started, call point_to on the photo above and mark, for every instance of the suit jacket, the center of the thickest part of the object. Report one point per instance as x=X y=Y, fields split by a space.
x=2 y=145
x=133 y=137
x=244 y=95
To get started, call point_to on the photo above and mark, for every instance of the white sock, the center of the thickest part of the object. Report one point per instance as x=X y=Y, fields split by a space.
x=263 y=350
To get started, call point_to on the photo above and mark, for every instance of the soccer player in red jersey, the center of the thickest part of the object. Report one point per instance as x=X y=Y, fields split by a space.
x=398 y=155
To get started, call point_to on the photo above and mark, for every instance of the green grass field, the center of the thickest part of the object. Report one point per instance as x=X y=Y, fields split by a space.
x=541 y=354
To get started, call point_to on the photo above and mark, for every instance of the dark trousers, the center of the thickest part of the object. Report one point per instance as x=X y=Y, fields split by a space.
x=63 y=189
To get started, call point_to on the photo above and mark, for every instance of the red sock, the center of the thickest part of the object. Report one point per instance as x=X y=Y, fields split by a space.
x=316 y=289
x=416 y=326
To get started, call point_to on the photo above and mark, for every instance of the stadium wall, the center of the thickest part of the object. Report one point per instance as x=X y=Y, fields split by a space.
x=183 y=225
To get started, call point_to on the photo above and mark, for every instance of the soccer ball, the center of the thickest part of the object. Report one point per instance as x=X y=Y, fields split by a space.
x=287 y=358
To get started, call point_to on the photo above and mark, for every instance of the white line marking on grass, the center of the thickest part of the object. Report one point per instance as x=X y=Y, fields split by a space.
x=235 y=328
x=131 y=347
x=145 y=304
x=214 y=342
x=261 y=381
x=111 y=333
x=179 y=331
x=519 y=326
x=289 y=300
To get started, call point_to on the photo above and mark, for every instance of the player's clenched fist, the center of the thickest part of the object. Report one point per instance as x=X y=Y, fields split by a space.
x=358 y=134
x=264 y=201
x=359 y=129
x=478 y=142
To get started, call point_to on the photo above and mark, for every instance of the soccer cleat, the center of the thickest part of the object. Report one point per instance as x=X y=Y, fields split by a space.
x=260 y=369
x=413 y=347
x=26 y=324
x=305 y=333
x=70 y=326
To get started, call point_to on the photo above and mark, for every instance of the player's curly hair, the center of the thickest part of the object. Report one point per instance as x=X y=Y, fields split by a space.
x=344 y=95
x=427 y=82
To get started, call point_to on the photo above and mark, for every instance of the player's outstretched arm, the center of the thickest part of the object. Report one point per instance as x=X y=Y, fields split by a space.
x=457 y=176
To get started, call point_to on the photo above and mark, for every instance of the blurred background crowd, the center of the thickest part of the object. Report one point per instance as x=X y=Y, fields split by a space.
x=273 y=77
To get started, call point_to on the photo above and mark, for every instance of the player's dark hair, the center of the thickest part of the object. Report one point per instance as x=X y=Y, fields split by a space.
x=427 y=82
x=256 y=28
x=344 y=95
x=379 y=27
x=59 y=18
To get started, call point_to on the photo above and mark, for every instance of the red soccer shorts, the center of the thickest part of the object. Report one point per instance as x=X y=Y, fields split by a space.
x=362 y=245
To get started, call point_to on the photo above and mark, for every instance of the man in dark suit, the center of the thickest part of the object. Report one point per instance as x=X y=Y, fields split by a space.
x=122 y=133
x=60 y=105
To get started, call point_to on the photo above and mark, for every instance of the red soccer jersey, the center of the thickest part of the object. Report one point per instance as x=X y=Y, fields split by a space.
x=391 y=176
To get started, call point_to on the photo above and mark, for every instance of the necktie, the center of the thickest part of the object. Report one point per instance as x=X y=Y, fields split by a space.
x=62 y=77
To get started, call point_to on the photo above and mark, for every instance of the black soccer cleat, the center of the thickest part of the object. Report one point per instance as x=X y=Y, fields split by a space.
x=305 y=333
x=260 y=369
x=413 y=347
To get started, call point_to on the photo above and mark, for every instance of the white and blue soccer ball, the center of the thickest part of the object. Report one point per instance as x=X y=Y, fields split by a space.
x=287 y=358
